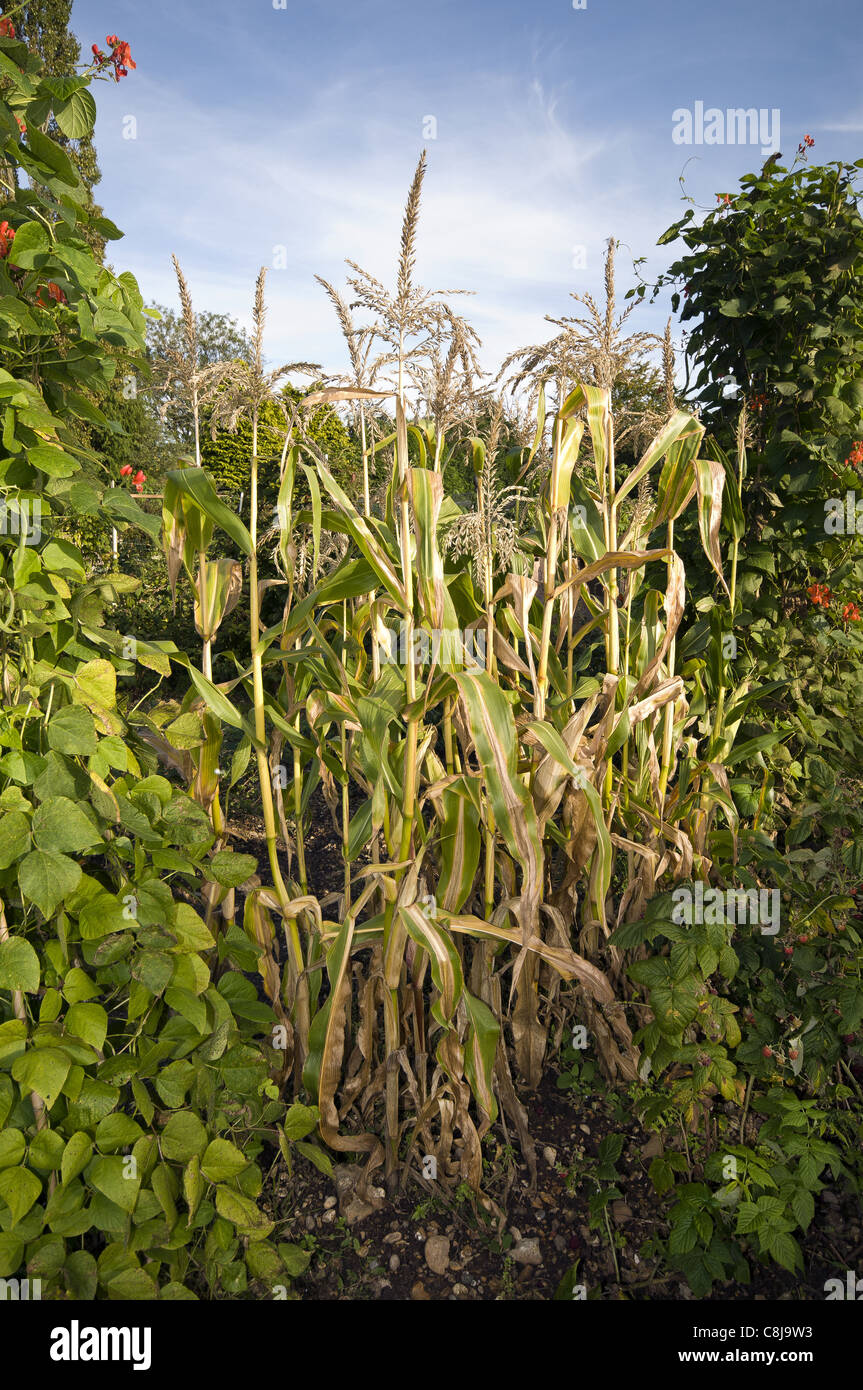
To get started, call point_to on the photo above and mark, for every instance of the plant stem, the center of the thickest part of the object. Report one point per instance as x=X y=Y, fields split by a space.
x=20 y=1011
x=346 y=806
x=392 y=936
x=264 y=777
x=668 y=717
x=366 y=502
x=613 y=636
x=547 y=616
x=299 y=833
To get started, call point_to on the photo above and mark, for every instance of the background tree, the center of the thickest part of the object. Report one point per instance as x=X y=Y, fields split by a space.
x=220 y=338
x=227 y=455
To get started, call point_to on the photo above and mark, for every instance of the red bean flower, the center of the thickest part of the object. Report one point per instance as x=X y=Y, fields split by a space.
x=7 y=28
x=856 y=455
x=125 y=470
x=139 y=480
x=820 y=595
x=851 y=613
x=121 y=56
x=54 y=292
x=7 y=236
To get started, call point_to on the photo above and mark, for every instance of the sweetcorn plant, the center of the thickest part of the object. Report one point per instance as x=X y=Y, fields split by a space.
x=499 y=817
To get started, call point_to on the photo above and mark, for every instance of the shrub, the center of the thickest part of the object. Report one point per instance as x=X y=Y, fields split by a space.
x=127 y=1069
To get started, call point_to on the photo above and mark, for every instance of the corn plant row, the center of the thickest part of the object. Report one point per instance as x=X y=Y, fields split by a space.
x=498 y=817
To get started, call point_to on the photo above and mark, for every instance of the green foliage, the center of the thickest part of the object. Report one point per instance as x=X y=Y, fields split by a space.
x=299 y=1122
x=753 y=1200
x=773 y=296
x=773 y=292
x=227 y=456
x=130 y=1070
x=44 y=26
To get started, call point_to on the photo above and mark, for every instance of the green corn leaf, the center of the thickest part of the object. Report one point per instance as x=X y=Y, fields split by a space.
x=585 y=522
x=598 y=420
x=604 y=853
x=315 y=490
x=564 y=462
x=369 y=544
x=416 y=434
x=426 y=492
x=612 y=559
x=710 y=483
x=195 y=483
x=460 y=844
x=217 y=594
x=679 y=426
x=443 y=956
x=479 y=1054
x=676 y=486
x=751 y=747
x=319 y=1066
x=492 y=728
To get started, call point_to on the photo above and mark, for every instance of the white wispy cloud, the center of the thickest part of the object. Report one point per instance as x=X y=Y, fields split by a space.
x=512 y=190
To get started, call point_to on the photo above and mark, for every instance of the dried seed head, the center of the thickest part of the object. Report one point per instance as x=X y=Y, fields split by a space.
x=668 y=369
x=190 y=327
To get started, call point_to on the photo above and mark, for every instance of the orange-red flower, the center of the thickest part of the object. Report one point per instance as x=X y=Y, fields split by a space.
x=7 y=236
x=121 y=56
x=54 y=292
x=851 y=613
x=125 y=470
x=7 y=28
x=856 y=455
x=820 y=595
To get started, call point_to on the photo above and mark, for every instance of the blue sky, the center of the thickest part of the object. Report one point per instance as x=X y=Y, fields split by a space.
x=299 y=127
